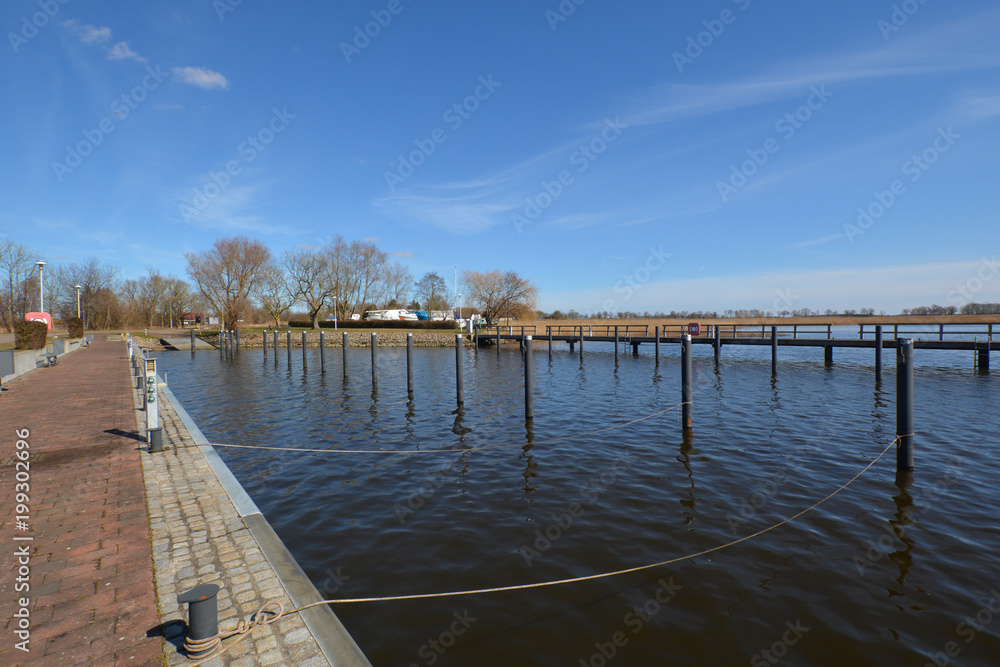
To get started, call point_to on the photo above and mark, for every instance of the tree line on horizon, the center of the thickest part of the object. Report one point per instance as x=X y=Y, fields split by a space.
x=240 y=279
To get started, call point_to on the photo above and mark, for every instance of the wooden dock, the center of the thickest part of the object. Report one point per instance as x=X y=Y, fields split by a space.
x=874 y=337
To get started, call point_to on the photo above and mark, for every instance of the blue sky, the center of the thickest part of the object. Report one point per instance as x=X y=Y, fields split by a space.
x=623 y=156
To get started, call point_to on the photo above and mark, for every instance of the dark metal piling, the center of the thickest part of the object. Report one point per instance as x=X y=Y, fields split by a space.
x=322 y=351
x=616 y=345
x=303 y=349
x=904 y=404
x=409 y=365
x=529 y=381
x=717 y=344
x=878 y=353
x=263 y=337
x=459 y=389
x=686 y=390
x=828 y=355
x=344 y=345
x=374 y=346
x=774 y=350
x=288 y=345
x=656 y=334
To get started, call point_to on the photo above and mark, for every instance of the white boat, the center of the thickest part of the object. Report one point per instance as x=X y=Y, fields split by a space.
x=391 y=314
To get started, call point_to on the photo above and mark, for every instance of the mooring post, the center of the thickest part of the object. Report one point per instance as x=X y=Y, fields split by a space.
x=238 y=344
x=192 y=339
x=904 y=404
x=498 y=339
x=878 y=353
x=774 y=350
x=374 y=346
x=616 y=345
x=581 y=340
x=203 y=614
x=550 y=341
x=686 y=392
x=717 y=344
x=288 y=345
x=322 y=351
x=304 y=349
x=828 y=355
x=276 y=345
x=344 y=344
x=409 y=365
x=656 y=334
x=263 y=338
x=529 y=381
x=983 y=357
x=460 y=390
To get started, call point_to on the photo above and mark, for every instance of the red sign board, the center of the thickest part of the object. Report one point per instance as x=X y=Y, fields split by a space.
x=40 y=317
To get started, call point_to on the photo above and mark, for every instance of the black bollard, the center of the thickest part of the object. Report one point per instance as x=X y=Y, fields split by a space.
x=263 y=337
x=288 y=345
x=303 y=349
x=322 y=351
x=656 y=334
x=686 y=373
x=203 y=612
x=904 y=404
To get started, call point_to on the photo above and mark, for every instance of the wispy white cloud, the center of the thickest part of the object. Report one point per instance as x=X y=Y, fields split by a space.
x=88 y=34
x=121 y=51
x=201 y=77
x=965 y=44
x=403 y=253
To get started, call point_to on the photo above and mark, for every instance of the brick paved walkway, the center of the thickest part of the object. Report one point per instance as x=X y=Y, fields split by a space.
x=92 y=599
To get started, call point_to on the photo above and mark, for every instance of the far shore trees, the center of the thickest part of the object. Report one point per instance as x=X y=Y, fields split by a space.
x=312 y=277
x=431 y=292
x=226 y=275
x=274 y=291
x=501 y=294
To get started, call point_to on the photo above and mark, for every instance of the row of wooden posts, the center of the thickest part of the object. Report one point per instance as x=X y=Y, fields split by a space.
x=230 y=341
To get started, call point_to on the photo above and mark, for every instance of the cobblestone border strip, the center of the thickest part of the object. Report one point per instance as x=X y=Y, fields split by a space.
x=205 y=529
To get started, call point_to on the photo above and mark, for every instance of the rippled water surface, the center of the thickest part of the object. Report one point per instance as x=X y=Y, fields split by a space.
x=891 y=571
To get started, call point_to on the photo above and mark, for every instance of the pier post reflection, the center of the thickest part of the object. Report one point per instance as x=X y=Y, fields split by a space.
x=903 y=558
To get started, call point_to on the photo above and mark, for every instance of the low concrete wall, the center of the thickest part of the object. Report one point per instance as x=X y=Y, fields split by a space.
x=15 y=363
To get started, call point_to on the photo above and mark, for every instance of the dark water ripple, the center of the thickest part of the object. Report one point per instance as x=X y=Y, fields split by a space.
x=883 y=573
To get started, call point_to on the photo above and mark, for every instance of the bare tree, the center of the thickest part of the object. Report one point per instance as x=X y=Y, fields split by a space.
x=18 y=281
x=432 y=292
x=99 y=305
x=498 y=294
x=310 y=272
x=177 y=299
x=398 y=283
x=152 y=289
x=274 y=292
x=226 y=275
